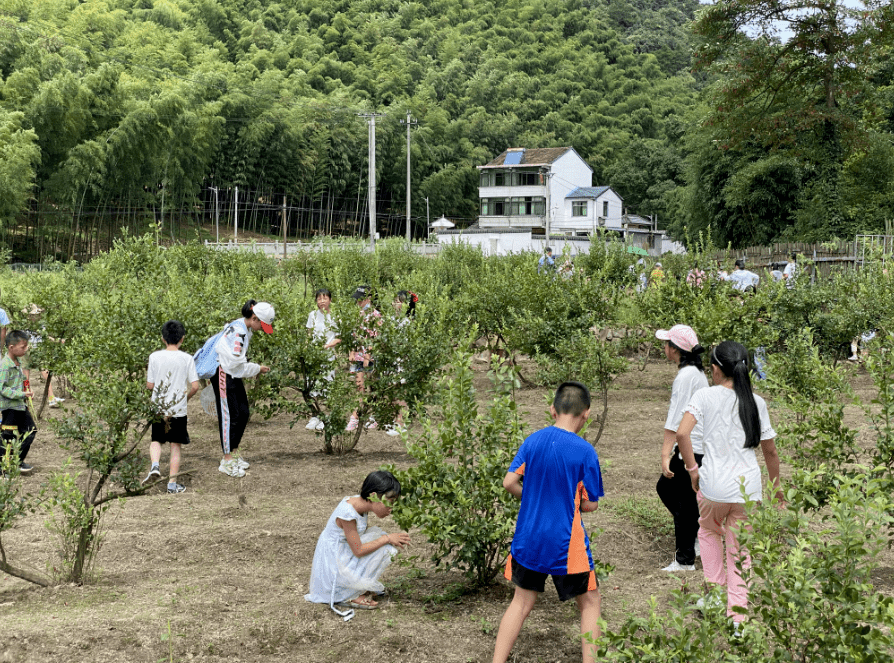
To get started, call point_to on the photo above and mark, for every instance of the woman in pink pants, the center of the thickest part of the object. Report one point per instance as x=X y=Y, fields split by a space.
x=735 y=423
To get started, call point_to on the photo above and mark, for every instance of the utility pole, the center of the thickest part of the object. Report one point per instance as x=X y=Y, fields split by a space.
x=372 y=176
x=409 y=122
x=236 y=218
x=284 y=246
x=427 y=221
x=549 y=212
x=216 y=215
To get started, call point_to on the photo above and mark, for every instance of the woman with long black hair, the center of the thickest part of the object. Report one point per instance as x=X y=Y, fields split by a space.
x=735 y=423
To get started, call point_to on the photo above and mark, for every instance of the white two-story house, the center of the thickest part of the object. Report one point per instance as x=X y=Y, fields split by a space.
x=523 y=189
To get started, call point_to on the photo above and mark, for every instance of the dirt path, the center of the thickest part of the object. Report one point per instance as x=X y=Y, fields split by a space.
x=219 y=572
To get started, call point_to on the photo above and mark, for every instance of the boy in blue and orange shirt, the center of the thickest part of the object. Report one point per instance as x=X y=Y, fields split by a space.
x=562 y=479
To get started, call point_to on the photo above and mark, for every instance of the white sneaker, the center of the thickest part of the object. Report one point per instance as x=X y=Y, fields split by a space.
x=313 y=423
x=698 y=549
x=392 y=431
x=321 y=426
x=676 y=567
x=231 y=468
x=240 y=462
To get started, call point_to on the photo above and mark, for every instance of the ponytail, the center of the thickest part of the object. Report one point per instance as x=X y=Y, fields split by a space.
x=732 y=360
x=247 y=308
x=690 y=358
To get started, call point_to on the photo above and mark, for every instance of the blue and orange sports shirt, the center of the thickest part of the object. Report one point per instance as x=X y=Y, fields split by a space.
x=558 y=468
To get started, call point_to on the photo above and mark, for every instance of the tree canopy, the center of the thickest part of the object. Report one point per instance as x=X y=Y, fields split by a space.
x=121 y=112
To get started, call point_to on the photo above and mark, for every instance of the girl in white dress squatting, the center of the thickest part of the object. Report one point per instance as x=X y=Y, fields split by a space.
x=350 y=555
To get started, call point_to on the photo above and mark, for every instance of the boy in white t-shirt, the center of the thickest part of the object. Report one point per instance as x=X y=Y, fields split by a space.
x=173 y=379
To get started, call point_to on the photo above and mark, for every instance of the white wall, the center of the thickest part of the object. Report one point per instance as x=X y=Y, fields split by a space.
x=568 y=173
x=594 y=211
x=505 y=243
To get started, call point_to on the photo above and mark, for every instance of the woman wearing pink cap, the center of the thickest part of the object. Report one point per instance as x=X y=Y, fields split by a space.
x=674 y=487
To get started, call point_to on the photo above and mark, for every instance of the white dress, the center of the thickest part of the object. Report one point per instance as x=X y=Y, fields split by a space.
x=337 y=574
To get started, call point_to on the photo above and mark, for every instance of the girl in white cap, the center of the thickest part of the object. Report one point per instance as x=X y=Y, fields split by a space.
x=674 y=487
x=229 y=391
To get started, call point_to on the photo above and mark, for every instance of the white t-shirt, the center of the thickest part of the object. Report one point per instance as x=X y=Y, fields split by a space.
x=742 y=278
x=322 y=325
x=177 y=370
x=688 y=381
x=789 y=274
x=727 y=462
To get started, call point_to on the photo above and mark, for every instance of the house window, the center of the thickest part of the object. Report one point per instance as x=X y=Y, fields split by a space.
x=500 y=179
x=528 y=206
x=605 y=209
x=526 y=179
x=579 y=208
x=493 y=206
x=487 y=178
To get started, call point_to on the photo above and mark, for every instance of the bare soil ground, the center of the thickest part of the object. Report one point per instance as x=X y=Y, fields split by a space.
x=219 y=572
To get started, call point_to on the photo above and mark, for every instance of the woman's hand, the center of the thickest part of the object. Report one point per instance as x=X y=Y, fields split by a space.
x=693 y=474
x=265 y=369
x=399 y=540
x=665 y=468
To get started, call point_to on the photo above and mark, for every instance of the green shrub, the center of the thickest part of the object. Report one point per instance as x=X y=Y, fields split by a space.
x=811 y=596
x=454 y=494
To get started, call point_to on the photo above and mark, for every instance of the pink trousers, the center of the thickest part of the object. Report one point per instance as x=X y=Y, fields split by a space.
x=719 y=521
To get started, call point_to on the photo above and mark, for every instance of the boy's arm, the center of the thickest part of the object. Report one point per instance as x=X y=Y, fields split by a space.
x=512 y=483
x=193 y=390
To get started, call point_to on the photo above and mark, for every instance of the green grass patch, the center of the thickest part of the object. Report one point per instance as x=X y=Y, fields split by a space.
x=647 y=513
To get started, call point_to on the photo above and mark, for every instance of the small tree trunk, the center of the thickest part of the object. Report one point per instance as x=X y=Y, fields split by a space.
x=85 y=537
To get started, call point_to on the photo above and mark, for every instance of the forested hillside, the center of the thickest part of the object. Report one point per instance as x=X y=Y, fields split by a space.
x=120 y=112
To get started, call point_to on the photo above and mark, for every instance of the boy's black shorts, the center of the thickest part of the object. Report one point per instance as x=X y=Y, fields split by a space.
x=568 y=586
x=173 y=430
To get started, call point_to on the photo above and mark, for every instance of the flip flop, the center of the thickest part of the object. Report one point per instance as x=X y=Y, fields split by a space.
x=357 y=605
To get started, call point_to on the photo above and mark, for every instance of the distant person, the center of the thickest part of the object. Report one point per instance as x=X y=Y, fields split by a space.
x=350 y=556
x=674 y=487
x=229 y=390
x=742 y=278
x=322 y=327
x=361 y=359
x=173 y=380
x=562 y=480
x=546 y=262
x=36 y=332
x=18 y=422
x=642 y=281
x=656 y=278
x=4 y=323
x=790 y=273
x=735 y=422
x=776 y=273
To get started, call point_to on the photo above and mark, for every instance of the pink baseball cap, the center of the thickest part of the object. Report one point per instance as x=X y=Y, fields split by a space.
x=682 y=336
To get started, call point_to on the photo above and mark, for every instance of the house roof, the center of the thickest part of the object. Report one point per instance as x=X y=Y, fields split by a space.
x=520 y=156
x=638 y=220
x=590 y=192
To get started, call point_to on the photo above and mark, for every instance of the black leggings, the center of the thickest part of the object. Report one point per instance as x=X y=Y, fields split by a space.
x=679 y=498
x=232 y=410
